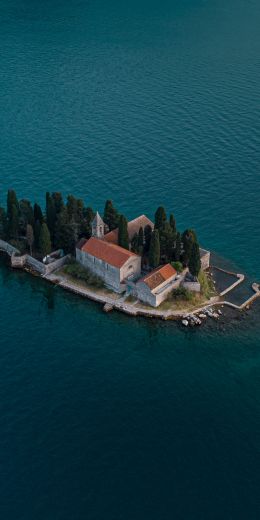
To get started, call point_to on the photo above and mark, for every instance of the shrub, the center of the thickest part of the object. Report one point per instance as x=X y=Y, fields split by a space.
x=81 y=273
x=181 y=293
x=177 y=266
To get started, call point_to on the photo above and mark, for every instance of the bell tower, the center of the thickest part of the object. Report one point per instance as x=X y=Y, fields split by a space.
x=98 y=227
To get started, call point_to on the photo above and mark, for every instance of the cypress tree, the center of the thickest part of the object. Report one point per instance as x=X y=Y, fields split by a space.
x=134 y=243
x=13 y=222
x=167 y=238
x=37 y=212
x=188 y=238
x=58 y=201
x=11 y=202
x=154 y=251
x=123 y=239
x=30 y=236
x=194 y=261
x=37 y=231
x=12 y=214
x=177 y=250
x=141 y=238
x=3 y=223
x=26 y=215
x=85 y=227
x=50 y=214
x=173 y=223
x=111 y=216
x=160 y=218
x=44 y=240
x=147 y=237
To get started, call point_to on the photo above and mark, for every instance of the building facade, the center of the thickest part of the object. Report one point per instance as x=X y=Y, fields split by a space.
x=155 y=287
x=113 y=264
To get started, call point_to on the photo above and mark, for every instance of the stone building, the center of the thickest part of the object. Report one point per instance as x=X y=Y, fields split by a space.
x=132 y=227
x=155 y=287
x=112 y=263
x=98 y=227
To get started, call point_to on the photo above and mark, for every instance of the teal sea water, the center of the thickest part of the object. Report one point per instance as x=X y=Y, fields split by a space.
x=103 y=416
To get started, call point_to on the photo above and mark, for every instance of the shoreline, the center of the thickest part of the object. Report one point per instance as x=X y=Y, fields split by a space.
x=137 y=308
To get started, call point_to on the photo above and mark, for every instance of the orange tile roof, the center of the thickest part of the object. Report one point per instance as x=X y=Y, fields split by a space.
x=132 y=227
x=159 y=276
x=109 y=253
x=112 y=236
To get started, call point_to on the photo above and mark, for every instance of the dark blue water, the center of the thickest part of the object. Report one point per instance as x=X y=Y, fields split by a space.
x=103 y=416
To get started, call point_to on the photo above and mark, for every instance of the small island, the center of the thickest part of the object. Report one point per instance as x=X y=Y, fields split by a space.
x=141 y=267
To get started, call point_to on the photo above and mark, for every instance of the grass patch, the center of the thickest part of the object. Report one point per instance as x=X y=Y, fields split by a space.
x=130 y=299
x=207 y=286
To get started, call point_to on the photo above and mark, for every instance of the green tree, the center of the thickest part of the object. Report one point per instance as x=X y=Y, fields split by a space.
x=26 y=215
x=75 y=208
x=11 y=202
x=12 y=215
x=58 y=201
x=188 y=238
x=44 y=240
x=3 y=223
x=172 y=222
x=66 y=232
x=13 y=223
x=135 y=243
x=177 y=249
x=194 y=260
x=37 y=213
x=160 y=218
x=123 y=239
x=37 y=231
x=111 y=216
x=167 y=239
x=147 y=237
x=141 y=241
x=50 y=214
x=30 y=237
x=154 y=251
x=85 y=227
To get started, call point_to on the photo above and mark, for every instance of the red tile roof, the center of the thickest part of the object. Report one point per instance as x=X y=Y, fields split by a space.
x=132 y=227
x=109 y=253
x=159 y=276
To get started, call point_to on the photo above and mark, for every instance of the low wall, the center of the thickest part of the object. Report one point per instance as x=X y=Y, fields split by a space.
x=36 y=265
x=8 y=248
x=18 y=261
x=56 y=265
x=192 y=286
x=205 y=259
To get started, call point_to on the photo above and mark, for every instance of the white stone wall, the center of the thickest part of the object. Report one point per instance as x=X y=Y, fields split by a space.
x=205 y=259
x=4 y=246
x=132 y=268
x=111 y=275
x=156 y=297
x=192 y=286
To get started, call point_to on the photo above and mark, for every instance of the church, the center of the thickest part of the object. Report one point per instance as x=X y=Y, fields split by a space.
x=112 y=263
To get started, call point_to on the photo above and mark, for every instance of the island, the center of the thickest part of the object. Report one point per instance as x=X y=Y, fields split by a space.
x=141 y=267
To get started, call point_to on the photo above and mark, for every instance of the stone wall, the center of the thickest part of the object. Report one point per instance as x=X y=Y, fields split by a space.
x=192 y=286
x=10 y=250
x=112 y=276
x=204 y=258
x=53 y=266
x=109 y=274
x=155 y=298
